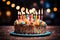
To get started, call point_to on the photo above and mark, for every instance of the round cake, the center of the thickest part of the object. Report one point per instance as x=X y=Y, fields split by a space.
x=27 y=27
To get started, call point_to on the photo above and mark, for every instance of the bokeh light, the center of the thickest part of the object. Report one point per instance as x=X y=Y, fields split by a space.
x=3 y=0
x=46 y=5
x=52 y=15
x=8 y=2
x=17 y=7
x=8 y=13
x=23 y=8
x=12 y=5
x=0 y=13
x=55 y=9
x=48 y=10
x=34 y=4
x=41 y=1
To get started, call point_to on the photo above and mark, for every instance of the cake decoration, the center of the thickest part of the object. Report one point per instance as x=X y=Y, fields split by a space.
x=29 y=22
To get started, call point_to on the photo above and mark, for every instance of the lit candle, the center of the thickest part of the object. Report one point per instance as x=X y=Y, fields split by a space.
x=30 y=15
x=42 y=11
x=39 y=14
x=23 y=13
x=42 y=14
x=18 y=15
x=27 y=13
x=34 y=14
x=34 y=17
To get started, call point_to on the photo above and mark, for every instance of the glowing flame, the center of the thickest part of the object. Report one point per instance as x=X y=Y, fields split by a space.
x=13 y=5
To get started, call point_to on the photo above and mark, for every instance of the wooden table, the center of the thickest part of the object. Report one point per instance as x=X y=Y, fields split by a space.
x=5 y=30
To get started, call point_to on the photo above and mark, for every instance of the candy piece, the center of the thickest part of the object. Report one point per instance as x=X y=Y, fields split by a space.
x=43 y=23
x=40 y=20
x=22 y=23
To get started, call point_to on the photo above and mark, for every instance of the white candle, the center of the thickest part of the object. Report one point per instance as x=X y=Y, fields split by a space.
x=18 y=15
x=27 y=11
x=39 y=14
x=30 y=16
x=36 y=12
x=39 y=11
x=27 y=14
x=42 y=13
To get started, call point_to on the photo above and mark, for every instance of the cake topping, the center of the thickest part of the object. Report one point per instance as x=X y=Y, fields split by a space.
x=43 y=24
x=22 y=22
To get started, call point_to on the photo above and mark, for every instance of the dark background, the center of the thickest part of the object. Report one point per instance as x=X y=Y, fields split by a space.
x=55 y=20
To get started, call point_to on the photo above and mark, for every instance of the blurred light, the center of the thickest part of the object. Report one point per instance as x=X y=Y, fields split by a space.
x=55 y=9
x=26 y=9
x=41 y=1
x=3 y=0
x=8 y=2
x=52 y=15
x=48 y=10
x=8 y=13
x=47 y=5
x=22 y=9
x=0 y=13
x=17 y=7
x=42 y=11
x=13 y=5
x=30 y=11
x=33 y=9
x=34 y=4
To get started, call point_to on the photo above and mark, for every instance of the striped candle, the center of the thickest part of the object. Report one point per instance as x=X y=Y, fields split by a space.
x=39 y=14
x=18 y=15
x=27 y=13
x=34 y=17
x=23 y=15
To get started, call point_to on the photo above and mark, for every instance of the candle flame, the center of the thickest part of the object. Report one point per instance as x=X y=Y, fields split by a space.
x=33 y=9
x=30 y=11
x=27 y=11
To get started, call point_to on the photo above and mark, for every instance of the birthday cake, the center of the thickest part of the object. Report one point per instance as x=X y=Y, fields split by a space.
x=29 y=24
